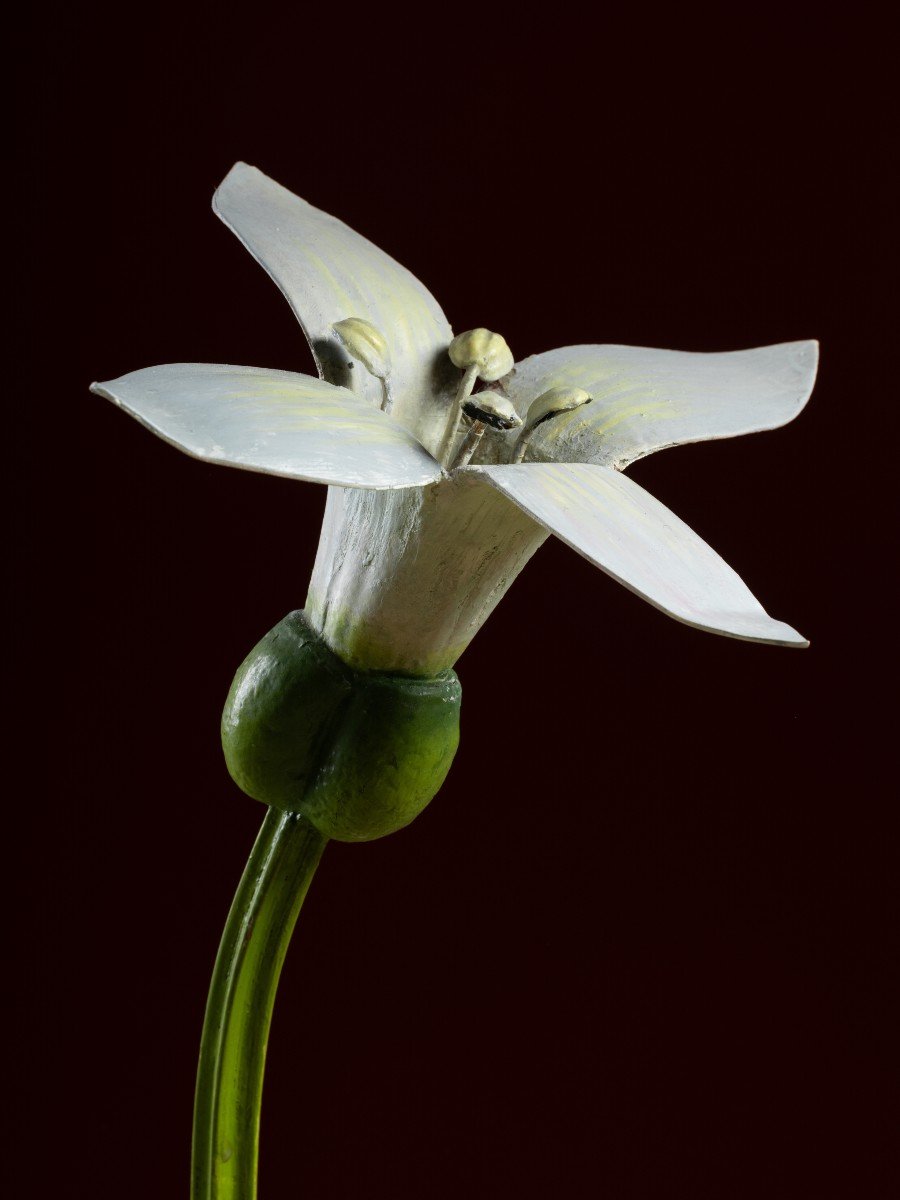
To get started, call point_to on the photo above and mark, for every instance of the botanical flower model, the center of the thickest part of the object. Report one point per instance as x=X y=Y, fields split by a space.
x=439 y=494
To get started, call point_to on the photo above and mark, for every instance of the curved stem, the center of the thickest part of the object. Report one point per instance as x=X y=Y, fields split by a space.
x=239 y=1009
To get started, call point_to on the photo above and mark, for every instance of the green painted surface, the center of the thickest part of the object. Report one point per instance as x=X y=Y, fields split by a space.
x=239 y=1009
x=360 y=754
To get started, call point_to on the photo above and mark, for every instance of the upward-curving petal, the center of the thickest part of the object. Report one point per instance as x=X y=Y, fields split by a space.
x=632 y=537
x=646 y=400
x=329 y=273
x=273 y=421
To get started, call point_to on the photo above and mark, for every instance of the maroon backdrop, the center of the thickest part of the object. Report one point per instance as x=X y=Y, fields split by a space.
x=642 y=946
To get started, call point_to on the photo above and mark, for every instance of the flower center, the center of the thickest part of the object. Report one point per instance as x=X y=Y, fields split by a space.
x=480 y=354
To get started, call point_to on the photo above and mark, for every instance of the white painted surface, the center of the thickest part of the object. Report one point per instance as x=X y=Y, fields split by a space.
x=328 y=273
x=620 y=528
x=646 y=400
x=411 y=562
x=404 y=580
x=273 y=421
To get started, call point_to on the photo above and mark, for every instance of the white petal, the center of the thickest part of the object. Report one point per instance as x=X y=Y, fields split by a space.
x=273 y=421
x=329 y=273
x=632 y=537
x=645 y=400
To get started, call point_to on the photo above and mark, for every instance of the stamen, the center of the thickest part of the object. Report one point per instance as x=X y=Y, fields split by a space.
x=481 y=355
x=548 y=405
x=491 y=408
x=486 y=410
x=364 y=342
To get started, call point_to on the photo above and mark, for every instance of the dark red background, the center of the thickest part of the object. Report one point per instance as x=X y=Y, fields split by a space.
x=642 y=946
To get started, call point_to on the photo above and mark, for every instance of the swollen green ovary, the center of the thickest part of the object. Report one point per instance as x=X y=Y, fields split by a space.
x=404 y=579
x=359 y=754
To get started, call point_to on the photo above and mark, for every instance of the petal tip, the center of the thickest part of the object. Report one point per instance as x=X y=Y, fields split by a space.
x=808 y=352
x=779 y=633
x=102 y=389
x=239 y=168
x=755 y=627
x=814 y=347
x=794 y=639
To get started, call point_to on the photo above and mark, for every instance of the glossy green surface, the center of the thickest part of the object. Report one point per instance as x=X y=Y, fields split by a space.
x=279 y=715
x=239 y=1009
x=390 y=752
x=358 y=753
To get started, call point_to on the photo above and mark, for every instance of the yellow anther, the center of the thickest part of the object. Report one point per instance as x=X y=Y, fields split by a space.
x=365 y=342
x=490 y=408
x=549 y=404
x=482 y=349
x=486 y=410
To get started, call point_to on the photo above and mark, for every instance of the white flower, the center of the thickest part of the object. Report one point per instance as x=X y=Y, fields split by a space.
x=415 y=553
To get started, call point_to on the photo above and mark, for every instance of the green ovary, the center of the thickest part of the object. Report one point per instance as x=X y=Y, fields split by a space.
x=359 y=754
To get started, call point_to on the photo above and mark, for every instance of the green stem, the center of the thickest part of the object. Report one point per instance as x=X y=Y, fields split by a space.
x=239 y=1009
